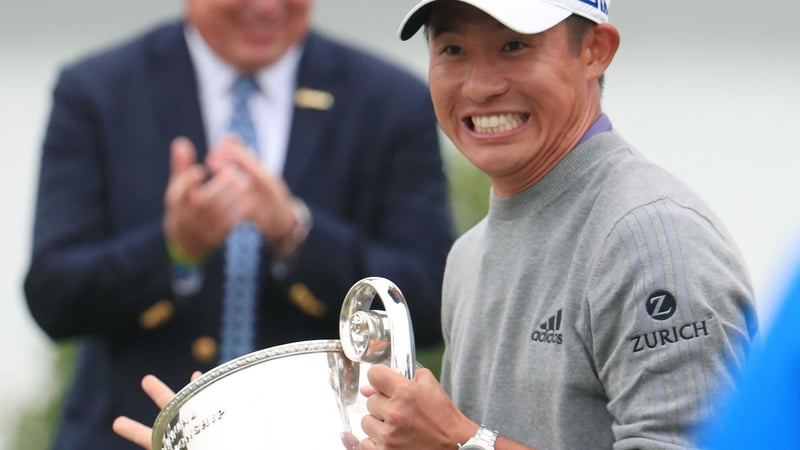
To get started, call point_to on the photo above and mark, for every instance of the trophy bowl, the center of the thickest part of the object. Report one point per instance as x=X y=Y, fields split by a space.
x=302 y=395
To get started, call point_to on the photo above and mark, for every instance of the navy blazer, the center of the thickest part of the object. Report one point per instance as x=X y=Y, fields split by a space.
x=369 y=168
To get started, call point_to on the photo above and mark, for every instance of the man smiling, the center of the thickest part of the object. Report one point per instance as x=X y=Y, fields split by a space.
x=600 y=304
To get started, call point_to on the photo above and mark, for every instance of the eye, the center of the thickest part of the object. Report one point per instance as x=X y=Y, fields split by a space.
x=514 y=46
x=452 y=50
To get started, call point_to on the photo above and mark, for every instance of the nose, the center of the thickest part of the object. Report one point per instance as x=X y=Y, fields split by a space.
x=484 y=81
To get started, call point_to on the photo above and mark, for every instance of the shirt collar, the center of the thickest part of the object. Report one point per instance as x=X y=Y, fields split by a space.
x=216 y=76
x=601 y=125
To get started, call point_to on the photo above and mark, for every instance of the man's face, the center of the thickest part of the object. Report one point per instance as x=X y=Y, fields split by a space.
x=511 y=103
x=250 y=34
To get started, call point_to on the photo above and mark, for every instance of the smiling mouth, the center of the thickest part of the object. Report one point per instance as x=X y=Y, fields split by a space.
x=496 y=123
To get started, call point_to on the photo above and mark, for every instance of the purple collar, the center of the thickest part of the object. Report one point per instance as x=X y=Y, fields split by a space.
x=601 y=125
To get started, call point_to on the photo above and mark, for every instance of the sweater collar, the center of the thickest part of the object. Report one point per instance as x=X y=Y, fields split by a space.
x=596 y=145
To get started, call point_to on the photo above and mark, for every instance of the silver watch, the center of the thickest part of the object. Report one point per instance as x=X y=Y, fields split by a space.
x=483 y=440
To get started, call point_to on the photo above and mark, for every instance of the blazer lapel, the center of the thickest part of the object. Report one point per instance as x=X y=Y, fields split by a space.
x=314 y=101
x=175 y=89
x=175 y=93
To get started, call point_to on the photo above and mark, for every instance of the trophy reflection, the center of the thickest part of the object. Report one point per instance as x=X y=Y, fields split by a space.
x=344 y=379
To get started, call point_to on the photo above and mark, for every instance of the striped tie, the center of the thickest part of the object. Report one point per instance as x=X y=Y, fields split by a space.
x=242 y=248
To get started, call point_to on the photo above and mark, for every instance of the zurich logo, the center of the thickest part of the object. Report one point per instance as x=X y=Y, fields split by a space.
x=661 y=305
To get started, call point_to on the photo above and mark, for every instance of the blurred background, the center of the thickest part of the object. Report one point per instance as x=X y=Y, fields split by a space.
x=709 y=90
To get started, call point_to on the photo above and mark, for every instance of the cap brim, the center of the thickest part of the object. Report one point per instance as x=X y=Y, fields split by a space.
x=526 y=17
x=415 y=19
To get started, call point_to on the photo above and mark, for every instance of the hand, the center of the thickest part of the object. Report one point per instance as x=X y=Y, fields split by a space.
x=137 y=432
x=199 y=213
x=268 y=202
x=407 y=413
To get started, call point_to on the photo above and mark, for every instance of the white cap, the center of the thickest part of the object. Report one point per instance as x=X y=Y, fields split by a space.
x=522 y=16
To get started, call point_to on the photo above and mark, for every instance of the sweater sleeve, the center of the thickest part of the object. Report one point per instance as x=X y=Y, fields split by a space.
x=83 y=279
x=669 y=315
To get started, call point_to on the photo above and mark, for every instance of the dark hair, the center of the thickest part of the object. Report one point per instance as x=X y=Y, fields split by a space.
x=578 y=27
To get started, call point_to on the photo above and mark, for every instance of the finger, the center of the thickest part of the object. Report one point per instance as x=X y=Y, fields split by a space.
x=224 y=191
x=368 y=444
x=367 y=390
x=377 y=405
x=181 y=184
x=232 y=146
x=235 y=151
x=232 y=140
x=216 y=161
x=275 y=187
x=231 y=177
x=159 y=392
x=182 y=155
x=384 y=379
x=271 y=187
x=184 y=171
x=372 y=427
x=133 y=431
x=226 y=153
x=424 y=375
x=195 y=375
x=273 y=209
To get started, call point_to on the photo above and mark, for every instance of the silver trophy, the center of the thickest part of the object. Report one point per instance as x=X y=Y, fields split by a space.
x=303 y=395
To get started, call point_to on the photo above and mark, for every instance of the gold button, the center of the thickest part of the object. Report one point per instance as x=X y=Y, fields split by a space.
x=157 y=315
x=303 y=299
x=204 y=349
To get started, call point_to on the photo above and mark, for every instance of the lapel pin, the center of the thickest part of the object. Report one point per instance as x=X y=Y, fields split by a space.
x=313 y=99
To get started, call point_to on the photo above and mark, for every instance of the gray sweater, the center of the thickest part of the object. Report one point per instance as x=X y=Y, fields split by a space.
x=604 y=307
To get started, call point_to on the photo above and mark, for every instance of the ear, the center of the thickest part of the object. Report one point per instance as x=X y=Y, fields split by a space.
x=599 y=46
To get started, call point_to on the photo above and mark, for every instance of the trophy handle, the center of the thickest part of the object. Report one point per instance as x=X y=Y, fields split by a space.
x=375 y=335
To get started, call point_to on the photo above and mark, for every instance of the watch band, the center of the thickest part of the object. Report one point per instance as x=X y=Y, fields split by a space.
x=483 y=439
x=287 y=246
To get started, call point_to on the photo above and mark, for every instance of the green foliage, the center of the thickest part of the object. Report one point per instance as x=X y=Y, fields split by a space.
x=469 y=196
x=37 y=426
x=469 y=190
x=431 y=358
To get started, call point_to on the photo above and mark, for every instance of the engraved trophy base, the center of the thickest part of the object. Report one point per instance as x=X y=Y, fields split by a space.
x=303 y=395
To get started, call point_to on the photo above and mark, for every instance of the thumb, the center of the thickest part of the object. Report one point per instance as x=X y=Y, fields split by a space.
x=424 y=375
x=182 y=155
x=383 y=379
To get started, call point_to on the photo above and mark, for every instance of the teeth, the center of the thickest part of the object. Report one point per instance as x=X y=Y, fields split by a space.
x=497 y=123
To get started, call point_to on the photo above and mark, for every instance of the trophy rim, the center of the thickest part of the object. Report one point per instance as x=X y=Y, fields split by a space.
x=172 y=408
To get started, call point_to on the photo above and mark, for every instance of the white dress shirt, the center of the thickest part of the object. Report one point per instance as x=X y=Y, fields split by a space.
x=271 y=108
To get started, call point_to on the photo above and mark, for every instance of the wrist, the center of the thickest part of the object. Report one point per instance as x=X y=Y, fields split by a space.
x=179 y=256
x=286 y=246
x=483 y=439
x=187 y=277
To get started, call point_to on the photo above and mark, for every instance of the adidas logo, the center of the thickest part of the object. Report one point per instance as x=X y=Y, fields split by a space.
x=548 y=331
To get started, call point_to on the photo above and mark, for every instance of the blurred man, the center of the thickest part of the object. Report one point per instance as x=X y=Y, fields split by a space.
x=600 y=303
x=214 y=187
